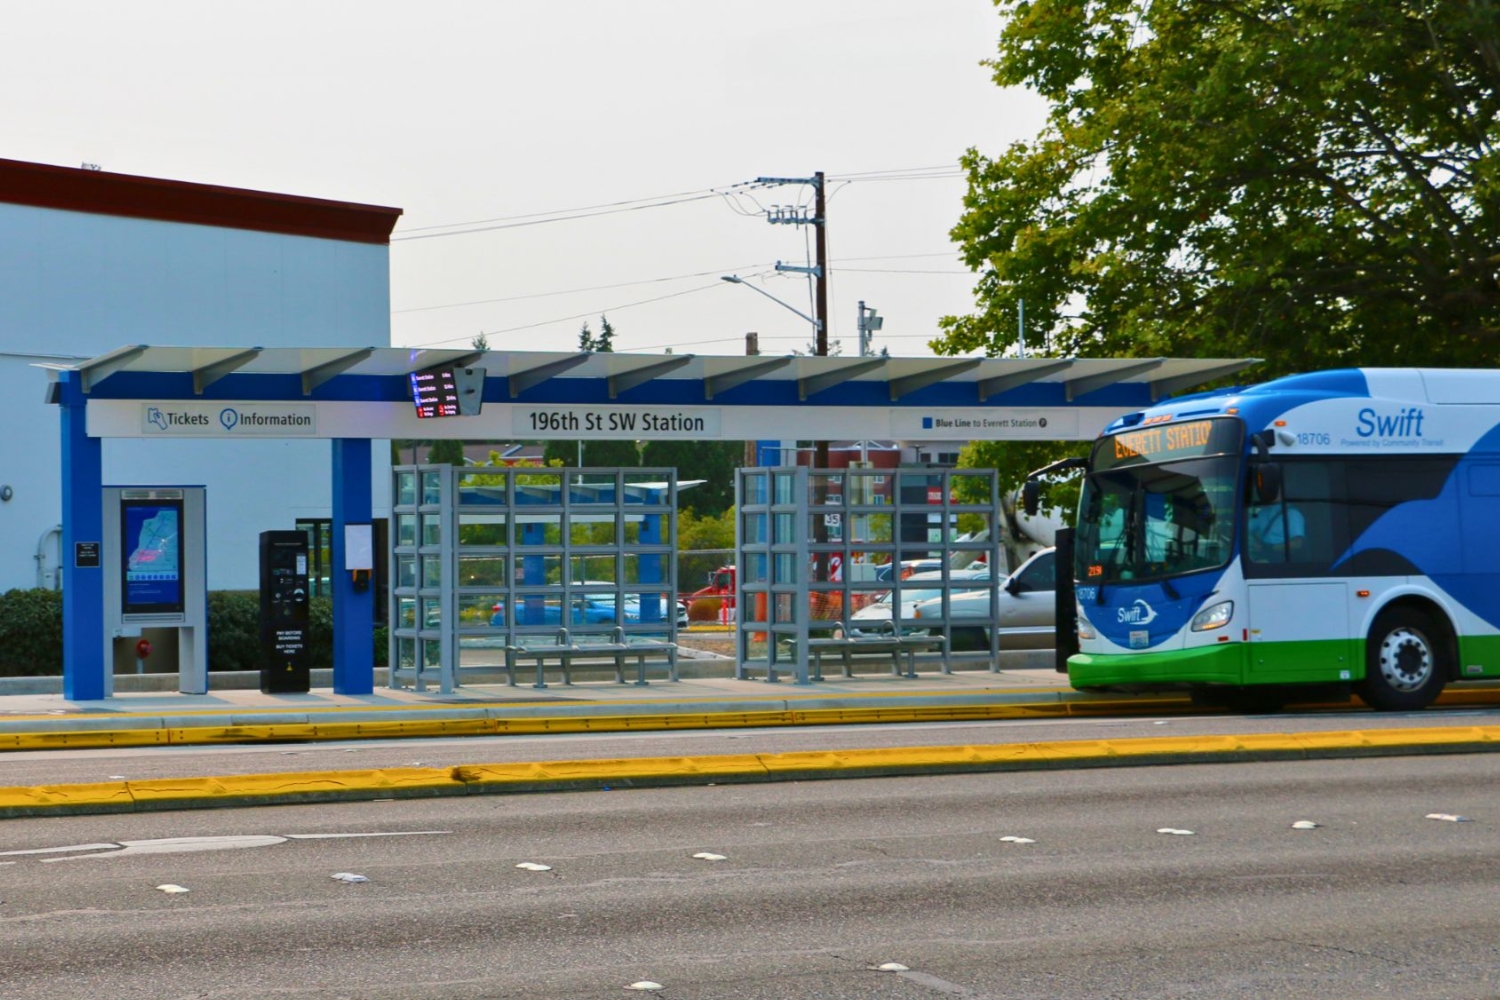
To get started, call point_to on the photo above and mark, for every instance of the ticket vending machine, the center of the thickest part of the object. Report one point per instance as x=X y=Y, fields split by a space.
x=155 y=585
x=283 y=613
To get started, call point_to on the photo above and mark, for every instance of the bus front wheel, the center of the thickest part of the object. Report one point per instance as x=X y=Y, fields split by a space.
x=1406 y=661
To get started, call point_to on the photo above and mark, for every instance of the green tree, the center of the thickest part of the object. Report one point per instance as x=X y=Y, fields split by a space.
x=562 y=453
x=595 y=453
x=446 y=453
x=712 y=461
x=606 y=453
x=1312 y=182
x=606 y=339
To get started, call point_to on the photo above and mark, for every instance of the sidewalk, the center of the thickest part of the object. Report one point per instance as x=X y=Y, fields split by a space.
x=35 y=720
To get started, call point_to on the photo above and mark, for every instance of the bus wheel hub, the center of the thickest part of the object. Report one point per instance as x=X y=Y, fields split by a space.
x=1405 y=659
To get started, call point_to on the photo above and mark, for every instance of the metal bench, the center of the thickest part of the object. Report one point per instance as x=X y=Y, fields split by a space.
x=564 y=650
x=895 y=645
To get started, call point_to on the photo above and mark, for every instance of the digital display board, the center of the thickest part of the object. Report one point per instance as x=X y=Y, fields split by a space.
x=434 y=392
x=1167 y=442
x=151 y=570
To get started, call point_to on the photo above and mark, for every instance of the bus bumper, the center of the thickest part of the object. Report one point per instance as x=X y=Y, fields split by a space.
x=1222 y=664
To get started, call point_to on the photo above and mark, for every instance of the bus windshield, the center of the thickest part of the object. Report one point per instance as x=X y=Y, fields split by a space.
x=1159 y=501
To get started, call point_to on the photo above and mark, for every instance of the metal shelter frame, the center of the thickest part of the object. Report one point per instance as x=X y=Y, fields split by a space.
x=485 y=559
x=352 y=396
x=815 y=546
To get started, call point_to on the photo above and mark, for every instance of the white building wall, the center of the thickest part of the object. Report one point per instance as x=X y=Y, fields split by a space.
x=76 y=285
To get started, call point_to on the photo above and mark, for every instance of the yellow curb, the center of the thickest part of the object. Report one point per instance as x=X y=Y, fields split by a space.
x=331 y=729
x=479 y=775
x=101 y=796
x=470 y=778
x=84 y=738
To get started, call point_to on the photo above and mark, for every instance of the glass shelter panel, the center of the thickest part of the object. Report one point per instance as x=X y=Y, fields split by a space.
x=505 y=559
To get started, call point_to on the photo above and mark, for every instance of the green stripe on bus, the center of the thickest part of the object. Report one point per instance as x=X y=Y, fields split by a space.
x=1311 y=662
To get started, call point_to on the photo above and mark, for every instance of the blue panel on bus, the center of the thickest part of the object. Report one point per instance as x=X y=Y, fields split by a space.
x=1436 y=535
x=1144 y=615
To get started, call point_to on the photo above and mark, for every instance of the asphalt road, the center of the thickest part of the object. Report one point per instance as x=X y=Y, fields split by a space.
x=821 y=882
x=45 y=767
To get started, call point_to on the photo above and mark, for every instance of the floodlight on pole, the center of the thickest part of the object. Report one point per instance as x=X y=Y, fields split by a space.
x=735 y=279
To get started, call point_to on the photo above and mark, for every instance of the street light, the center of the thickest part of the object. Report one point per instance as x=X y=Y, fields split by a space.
x=735 y=279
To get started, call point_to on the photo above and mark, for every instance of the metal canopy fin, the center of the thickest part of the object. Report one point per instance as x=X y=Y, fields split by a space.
x=814 y=384
x=715 y=384
x=911 y=383
x=1004 y=383
x=206 y=375
x=522 y=380
x=96 y=370
x=318 y=374
x=640 y=376
x=1085 y=384
x=1167 y=386
x=466 y=360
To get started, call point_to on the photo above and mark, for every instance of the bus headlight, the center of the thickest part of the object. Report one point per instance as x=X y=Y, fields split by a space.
x=1214 y=616
x=1085 y=630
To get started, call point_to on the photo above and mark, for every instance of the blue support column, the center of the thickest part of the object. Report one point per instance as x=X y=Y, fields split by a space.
x=532 y=609
x=649 y=567
x=353 y=610
x=84 y=662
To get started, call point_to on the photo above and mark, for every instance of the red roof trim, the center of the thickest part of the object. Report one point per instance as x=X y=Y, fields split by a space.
x=103 y=193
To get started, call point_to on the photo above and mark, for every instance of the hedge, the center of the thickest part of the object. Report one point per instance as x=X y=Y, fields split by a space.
x=31 y=632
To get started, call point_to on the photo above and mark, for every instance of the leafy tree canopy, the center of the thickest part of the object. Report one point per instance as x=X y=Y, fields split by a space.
x=446 y=452
x=712 y=461
x=1312 y=182
x=594 y=453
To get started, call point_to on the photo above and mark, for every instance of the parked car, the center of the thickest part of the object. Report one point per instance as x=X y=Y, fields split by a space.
x=875 y=618
x=1027 y=613
x=632 y=602
x=586 y=609
x=909 y=568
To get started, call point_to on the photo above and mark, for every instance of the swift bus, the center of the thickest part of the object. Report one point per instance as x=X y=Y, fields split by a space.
x=1336 y=528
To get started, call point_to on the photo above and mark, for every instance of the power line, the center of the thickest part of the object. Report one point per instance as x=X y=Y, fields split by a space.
x=577 y=291
x=566 y=319
x=896 y=171
x=552 y=217
x=657 y=201
x=900 y=270
x=757 y=267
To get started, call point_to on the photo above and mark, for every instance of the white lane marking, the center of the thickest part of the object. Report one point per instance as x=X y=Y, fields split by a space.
x=61 y=850
x=177 y=845
x=942 y=985
x=188 y=845
x=352 y=836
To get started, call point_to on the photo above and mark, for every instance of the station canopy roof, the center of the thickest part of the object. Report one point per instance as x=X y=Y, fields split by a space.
x=533 y=373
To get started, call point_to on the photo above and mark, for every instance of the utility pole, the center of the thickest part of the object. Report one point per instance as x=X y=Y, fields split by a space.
x=819 y=221
x=820 y=314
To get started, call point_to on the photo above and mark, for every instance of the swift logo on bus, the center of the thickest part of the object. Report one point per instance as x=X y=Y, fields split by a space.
x=1139 y=613
x=1406 y=423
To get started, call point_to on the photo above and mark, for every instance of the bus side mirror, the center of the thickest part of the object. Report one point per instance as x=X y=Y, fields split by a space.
x=1267 y=482
x=1030 y=497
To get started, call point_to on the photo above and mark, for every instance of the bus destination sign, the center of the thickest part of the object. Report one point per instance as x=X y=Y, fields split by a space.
x=1167 y=443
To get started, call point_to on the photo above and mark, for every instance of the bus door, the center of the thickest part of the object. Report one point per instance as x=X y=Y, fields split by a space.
x=1299 y=613
x=1299 y=631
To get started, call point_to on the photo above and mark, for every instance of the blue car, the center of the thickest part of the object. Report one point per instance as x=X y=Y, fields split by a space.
x=586 y=610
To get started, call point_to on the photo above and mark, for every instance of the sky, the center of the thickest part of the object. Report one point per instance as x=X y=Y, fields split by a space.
x=558 y=161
